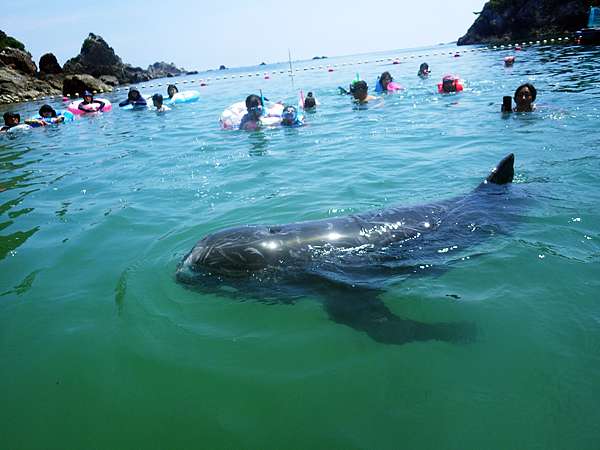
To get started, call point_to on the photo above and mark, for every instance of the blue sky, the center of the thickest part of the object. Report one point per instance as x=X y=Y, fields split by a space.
x=203 y=35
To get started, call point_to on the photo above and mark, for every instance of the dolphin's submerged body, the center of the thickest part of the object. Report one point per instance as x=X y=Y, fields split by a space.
x=348 y=260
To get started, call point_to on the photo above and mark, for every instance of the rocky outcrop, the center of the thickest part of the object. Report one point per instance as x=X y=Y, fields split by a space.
x=109 y=79
x=97 y=58
x=75 y=85
x=504 y=21
x=9 y=41
x=18 y=81
x=96 y=68
x=18 y=60
x=17 y=86
x=163 y=69
x=49 y=64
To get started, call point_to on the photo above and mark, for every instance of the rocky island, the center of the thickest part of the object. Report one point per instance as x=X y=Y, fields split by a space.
x=96 y=68
x=506 y=21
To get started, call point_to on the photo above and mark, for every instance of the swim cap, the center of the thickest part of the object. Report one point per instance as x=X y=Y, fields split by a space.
x=87 y=93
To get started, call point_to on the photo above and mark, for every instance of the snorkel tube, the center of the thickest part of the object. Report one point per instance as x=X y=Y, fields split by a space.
x=262 y=103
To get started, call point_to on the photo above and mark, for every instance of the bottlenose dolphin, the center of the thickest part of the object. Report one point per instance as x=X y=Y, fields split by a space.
x=348 y=260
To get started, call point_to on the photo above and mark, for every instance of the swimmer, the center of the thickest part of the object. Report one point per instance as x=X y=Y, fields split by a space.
x=88 y=99
x=48 y=115
x=172 y=90
x=289 y=117
x=10 y=120
x=254 y=107
x=360 y=92
x=134 y=98
x=449 y=84
x=310 y=102
x=424 y=70
x=383 y=81
x=157 y=101
x=509 y=61
x=524 y=97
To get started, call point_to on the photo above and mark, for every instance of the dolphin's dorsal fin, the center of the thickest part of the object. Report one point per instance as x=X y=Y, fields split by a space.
x=504 y=172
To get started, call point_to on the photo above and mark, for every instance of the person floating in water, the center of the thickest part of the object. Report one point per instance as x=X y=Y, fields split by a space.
x=88 y=99
x=290 y=117
x=310 y=102
x=254 y=107
x=450 y=84
x=524 y=97
x=157 y=101
x=134 y=98
x=424 y=70
x=360 y=92
x=10 y=120
x=509 y=61
x=385 y=83
x=48 y=115
x=172 y=90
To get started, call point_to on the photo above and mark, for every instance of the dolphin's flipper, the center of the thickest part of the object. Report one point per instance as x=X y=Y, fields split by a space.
x=363 y=311
x=504 y=172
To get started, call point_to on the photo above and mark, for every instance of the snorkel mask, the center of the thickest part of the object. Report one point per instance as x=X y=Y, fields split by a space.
x=256 y=111
x=289 y=115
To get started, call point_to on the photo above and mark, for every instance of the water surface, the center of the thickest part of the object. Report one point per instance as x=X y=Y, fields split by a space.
x=101 y=348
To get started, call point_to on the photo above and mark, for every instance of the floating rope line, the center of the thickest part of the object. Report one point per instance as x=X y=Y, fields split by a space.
x=332 y=67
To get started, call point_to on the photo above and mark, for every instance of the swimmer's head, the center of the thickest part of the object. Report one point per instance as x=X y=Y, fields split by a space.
x=310 y=101
x=87 y=97
x=449 y=83
x=424 y=69
x=47 y=111
x=133 y=94
x=524 y=97
x=384 y=79
x=157 y=100
x=254 y=105
x=172 y=90
x=11 y=119
x=289 y=116
x=359 y=90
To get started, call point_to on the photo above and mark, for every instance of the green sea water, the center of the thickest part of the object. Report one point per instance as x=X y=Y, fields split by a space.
x=101 y=348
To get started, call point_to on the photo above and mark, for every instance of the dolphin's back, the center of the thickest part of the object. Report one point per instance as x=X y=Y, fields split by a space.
x=386 y=235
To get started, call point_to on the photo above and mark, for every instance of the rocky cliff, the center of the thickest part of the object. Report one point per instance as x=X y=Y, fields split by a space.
x=504 y=21
x=97 y=58
x=163 y=69
x=18 y=73
x=96 y=68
